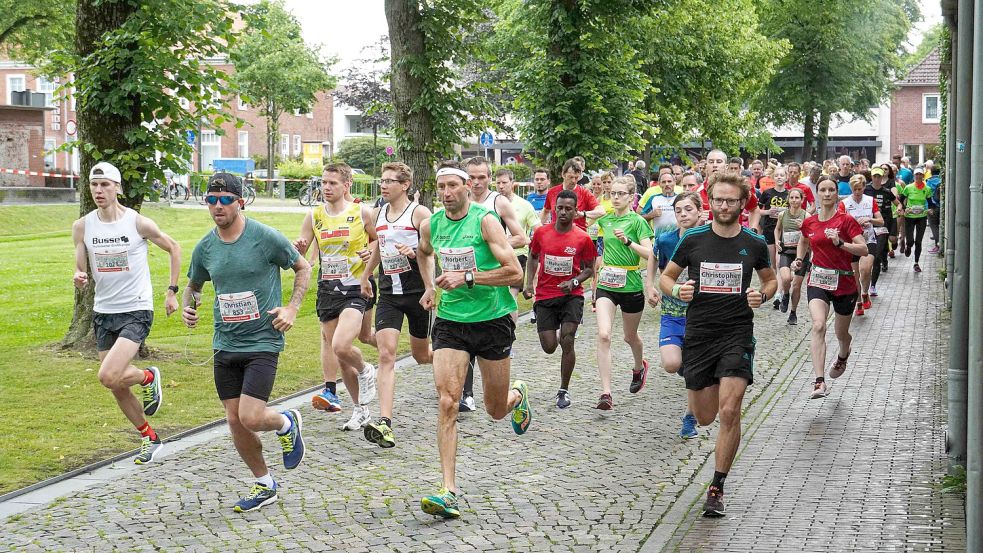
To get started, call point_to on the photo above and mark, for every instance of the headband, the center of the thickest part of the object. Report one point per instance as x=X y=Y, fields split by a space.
x=453 y=171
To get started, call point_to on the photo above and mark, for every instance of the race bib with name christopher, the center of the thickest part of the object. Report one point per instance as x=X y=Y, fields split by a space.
x=112 y=262
x=238 y=307
x=721 y=278
x=556 y=265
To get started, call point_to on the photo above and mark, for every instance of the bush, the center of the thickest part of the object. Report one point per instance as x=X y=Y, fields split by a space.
x=359 y=152
x=522 y=172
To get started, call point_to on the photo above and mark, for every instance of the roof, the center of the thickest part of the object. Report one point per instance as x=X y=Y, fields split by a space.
x=926 y=73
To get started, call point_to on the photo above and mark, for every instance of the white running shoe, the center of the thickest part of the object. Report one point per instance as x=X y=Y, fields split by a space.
x=820 y=390
x=366 y=384
x=360 y=417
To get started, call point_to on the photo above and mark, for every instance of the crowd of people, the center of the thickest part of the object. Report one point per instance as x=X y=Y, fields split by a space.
x=687 y=240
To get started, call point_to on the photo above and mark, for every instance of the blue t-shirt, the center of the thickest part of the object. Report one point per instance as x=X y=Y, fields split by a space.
x=665 y=245
x=537 y=200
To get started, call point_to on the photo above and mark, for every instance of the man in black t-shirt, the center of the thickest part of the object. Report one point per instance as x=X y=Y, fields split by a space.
x=884 y=198
x=718 y=347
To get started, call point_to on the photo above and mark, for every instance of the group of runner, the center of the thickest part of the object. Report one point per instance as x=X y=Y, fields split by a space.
x=690 y=248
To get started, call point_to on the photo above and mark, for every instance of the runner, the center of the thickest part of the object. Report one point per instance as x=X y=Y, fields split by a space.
x=915 y=197
x=884 y=200
x=834 y=238
x=541 y=182
x=774 y=202
x=526 y=216
x=587 y=204
x=862 y=208
x=672 y=325
x=243 y=258
x=619 y=284
x=718 y=349
x=397 y=225
x=715 y=165
x=472 y=318
x=112 y=240
x=657 y=209
x=341 y=229
x=787 y=232
x=559 y=305
x=845 y=166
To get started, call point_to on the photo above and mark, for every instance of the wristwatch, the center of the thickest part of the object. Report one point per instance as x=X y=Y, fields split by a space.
x=575 y=282
x=469 y=279
x=628 y=241
x=173 y=288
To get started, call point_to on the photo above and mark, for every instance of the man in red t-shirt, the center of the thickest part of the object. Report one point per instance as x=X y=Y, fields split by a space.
x=562 y=257
x=587 y=205
x=717 y=163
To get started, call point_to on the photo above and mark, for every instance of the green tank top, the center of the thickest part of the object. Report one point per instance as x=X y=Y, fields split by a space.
x=461 y=247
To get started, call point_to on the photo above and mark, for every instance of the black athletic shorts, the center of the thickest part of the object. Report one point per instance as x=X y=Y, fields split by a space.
x=892 y=227
x=786 y=259
x=709 y=358
x=629 y=302
x=769 y=235
x=391 y=309
x=132 y=325
x=522 y=263
x=552 y=313
x=330 y=305
x=248 y=373
x=491 y=340
x=842 y=305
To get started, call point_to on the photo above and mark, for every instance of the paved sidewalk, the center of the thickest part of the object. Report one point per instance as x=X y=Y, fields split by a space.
x=579 y=480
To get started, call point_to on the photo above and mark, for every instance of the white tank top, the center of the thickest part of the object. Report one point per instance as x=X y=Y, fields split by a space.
x=397 y=273
x=118 y=261
x=863 y=208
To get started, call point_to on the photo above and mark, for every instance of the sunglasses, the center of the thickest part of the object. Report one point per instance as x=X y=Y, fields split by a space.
x=225 y=200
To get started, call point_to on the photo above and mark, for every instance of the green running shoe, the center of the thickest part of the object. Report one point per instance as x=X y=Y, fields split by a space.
x=149 y=449
x=153 y=394
x=521 y=413
x=380 y=433
x=444 y=504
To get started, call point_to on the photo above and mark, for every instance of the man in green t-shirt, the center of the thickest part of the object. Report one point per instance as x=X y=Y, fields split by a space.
x=917 y=198
x=473 y=317
x=243 y=258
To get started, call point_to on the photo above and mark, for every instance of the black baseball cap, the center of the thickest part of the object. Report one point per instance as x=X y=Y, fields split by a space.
x=225 y=182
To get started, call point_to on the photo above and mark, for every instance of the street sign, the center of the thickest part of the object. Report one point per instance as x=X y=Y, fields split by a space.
x=189 y=136
x=71 y=127
x=390 y=150
x=486 y=140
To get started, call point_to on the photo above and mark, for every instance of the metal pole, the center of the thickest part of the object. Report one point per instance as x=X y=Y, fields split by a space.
x=959 y=334
x=950 y=166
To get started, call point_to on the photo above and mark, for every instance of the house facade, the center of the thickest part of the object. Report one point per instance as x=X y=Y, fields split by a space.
x=916 y=106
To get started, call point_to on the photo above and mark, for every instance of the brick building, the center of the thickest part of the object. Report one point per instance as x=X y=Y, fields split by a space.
x=915 y=110
x=250 y=140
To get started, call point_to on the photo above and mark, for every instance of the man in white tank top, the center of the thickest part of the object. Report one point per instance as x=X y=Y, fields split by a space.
x=111 y=241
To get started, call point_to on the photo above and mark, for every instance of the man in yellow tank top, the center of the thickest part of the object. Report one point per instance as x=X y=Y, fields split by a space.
x=340 y=229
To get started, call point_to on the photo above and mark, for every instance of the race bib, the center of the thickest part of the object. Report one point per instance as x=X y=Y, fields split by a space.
x=334 y=267
x=457 y=259
x=916 y=209
x=395 y=264
x=613 y=277
x=870 y=234
x=826 y=279
x=791 y=237
x=113 y=262
x=555 y=265
x=238 y=307
x=721 y=278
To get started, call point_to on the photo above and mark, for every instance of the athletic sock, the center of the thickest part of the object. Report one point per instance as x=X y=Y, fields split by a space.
x=387 y=420
x=331 y=387
x=718 y=480
x=147 y=432
x=286 y=425
x=266 y=480
x=148 y=377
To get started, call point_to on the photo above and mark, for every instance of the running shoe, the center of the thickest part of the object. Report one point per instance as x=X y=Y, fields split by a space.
x=820 y=390
x=153 y=394
x=785 y=301
x=934 y=249
x=293 y=441
x=838 y=368
x=917 y=268
x=380 y=433
x=777 y=304
x=366 y=384
x=884 y=267
x=714 y=506
x=444 y=504
x=326 y=401
x=860 y=310
x=467 y=404
x=360 y=417
x=689 y=431
x=907 y=251
x=792 y=318
x=149 y=449
x=873 y=291
x=521 y=413
x=891 y=254
x=259 y=496
x=639 y=377
x=606 y=403
x=532 y=320
x=866 y=301
x=562 y=399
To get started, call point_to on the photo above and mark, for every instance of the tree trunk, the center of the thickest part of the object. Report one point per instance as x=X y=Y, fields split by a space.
x=823 y=134
x=272 y=130
x=414 y=123
x=808 y=136
x=95 y=18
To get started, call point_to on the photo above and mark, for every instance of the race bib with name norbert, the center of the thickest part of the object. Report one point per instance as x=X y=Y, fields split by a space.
x=826 y=279
x=613 y=277
x=395 y=264
x=238 y=307
x=721 y=278
x=458 y=259
x=112 y=262
x=334 y=267
x=556 y=265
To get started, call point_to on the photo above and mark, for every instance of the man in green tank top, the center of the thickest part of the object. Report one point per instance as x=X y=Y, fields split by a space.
x=473 y=317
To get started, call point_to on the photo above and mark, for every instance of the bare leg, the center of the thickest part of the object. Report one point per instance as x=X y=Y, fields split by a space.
x=246 y=416
x=705 y=404
x=796 y=292
x=366 y=334
x=117 y=374
x=568 y=357
x=630 y=322
x=729 y=437
x=496 y=389
x=329 y=361
x=387 y=340
x=449 y=369
x=349 y=357
x=841 y=325
x=605 y=320
x=818 y=310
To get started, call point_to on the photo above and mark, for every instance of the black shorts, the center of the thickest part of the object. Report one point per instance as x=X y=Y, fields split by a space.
x=249 y=373
x=629 y=302
x=522 y=263
x=392 y=308
x=786 y=259
x=770 y=236
x=331 y=304
x=132 y=325
x=491 y=340
x=552 y=313
x=842 y=305
x=892 y=226
x=709 y=358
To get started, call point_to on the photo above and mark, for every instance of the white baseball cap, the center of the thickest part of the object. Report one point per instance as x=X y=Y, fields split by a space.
x=105 y=170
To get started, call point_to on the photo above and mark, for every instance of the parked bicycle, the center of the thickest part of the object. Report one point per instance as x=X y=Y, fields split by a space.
x=310 y=194
x=174 y=191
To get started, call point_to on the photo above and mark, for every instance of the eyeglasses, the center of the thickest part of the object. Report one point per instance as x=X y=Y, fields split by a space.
x=731 y=202
x=390 y=181
x=225 y=200
x=619 y=194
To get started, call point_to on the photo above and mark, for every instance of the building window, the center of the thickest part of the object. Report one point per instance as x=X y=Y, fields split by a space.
x=211 y=148
x=240 y=104
x=914 y=153
x=284 y=145
x=930 y=108
x=15 y=83
x=48 y=89
x=73 y=98
x=296 y=144
x=355 y=125
x=243 y=144
x=49 y=154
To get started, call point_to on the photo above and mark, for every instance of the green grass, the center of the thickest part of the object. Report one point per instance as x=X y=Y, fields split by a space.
x=54 y=414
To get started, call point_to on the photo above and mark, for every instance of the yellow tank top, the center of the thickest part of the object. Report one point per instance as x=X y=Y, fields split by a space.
x=339 y=238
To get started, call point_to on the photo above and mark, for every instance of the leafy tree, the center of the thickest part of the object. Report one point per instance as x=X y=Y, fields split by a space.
x=33 y=30
x=366 y=88
x=365 y=152
x=930 y=41
x=274 y=69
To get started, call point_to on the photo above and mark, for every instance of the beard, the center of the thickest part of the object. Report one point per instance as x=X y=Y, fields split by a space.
x=726 y=217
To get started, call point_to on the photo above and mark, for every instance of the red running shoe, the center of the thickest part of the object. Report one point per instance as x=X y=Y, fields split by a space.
x=867 y=303
x=860 y=310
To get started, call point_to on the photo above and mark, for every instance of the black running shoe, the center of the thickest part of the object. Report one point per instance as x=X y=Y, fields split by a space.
x=785 y=301
x=714 y=506
x=778 y=302
x=792 y=319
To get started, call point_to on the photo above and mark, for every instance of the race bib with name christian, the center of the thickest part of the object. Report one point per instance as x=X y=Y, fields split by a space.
x=458 y=259
x=555 y=265
x=720 y=278
x=395 y=264
x=334 y=267
x=238 y=307
x=791 y=237
x=112 y=262
x=613 y=277
x=826 y=279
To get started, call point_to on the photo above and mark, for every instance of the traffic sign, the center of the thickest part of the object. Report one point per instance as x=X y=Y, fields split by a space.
x=390 y=150
x=71 y=127
x=486 y=140
x=189 y=136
